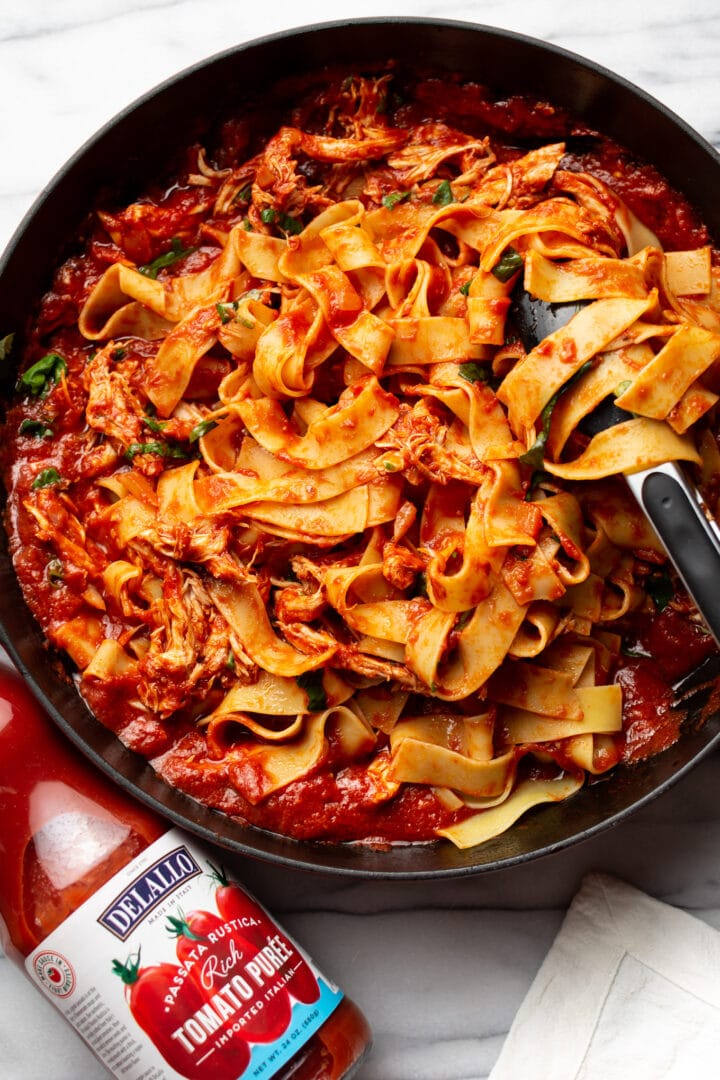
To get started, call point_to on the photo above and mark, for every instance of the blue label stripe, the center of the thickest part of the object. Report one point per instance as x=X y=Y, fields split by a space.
x=267 y=1059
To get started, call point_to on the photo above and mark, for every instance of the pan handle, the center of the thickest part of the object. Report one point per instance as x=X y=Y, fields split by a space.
x=690 y=537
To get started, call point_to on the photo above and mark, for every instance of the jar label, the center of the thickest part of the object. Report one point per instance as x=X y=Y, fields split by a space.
x=171 y=970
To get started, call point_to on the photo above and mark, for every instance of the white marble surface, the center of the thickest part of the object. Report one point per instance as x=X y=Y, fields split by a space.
x=439 y=967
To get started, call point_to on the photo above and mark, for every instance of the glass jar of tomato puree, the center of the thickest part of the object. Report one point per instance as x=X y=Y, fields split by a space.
x=164 y=965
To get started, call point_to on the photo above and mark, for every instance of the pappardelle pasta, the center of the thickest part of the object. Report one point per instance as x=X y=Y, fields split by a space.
x=320 y=538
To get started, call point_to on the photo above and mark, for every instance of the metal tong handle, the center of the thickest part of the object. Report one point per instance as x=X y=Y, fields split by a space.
x=691 y=539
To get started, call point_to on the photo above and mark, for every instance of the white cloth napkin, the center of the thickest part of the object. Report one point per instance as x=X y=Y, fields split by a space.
x=630 y=988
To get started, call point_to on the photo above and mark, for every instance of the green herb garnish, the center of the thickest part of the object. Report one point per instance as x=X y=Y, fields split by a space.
x=473 y=372
x=46 y=478
x=535 y=456
x=311 y=682
x=285 y=222
x=154 y=448
x=538 y=477
x=443 y=194
x=176 y=252
x=508 y=265
x=243 y=195
x=36 y=429
x=659 y=588
x=465 y=289
x=395 y=197
x=622 y=387
x=43 y=374
x=226 y=311
x=158 y=426
x=290 y=225
x=202 y=429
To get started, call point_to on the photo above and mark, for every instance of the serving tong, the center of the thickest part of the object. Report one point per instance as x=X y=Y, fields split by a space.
x=671 y=503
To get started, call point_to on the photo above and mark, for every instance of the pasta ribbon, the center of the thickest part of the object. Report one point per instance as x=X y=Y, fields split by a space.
x=258 y=770
x=532 y=382
x=243 y=608
x=482 y=827
x=362 y=415
x=627 y=447
x=451 y=753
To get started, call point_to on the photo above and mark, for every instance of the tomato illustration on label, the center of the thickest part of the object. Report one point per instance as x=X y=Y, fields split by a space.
x=214 y=952
x=166 y=1007
x=234 y=903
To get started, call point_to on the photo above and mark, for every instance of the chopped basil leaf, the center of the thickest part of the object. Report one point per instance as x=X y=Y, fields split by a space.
x=473 y=372
x=443 y=194
x=226 y=311
x=247 y=225
x=247 y=323
x=285 y=222
x=243 y=195
x=37 y=429
x=44 y=373
x=6 y=345
x=118 y=354
x=659 y=588
x=537 y=478
x=291 y=225
x=55 y=573
x=465 y=289
x=46 y=478
x=201 y=429
x=157 y=426
x=508 y=265
x=391 y=200
x=154 y=448
x=535 y=456
x=145 y=448
x=622 y=387
x=230 y=662
x=390 y=466
x=176 y=252
x=311 y=682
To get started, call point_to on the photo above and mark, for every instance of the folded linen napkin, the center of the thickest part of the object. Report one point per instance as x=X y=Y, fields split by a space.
x=630 y=988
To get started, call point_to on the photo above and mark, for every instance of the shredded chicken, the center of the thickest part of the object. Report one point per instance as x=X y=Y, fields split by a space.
x=189 y=646
x=113 y=408
x=433 y=144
